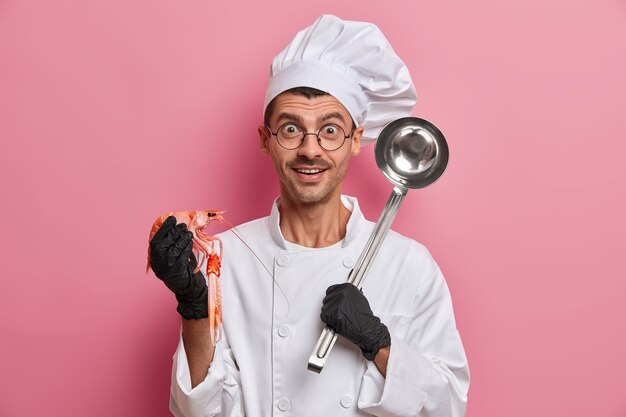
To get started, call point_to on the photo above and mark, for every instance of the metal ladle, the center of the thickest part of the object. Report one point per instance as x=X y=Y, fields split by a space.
x=412 y=153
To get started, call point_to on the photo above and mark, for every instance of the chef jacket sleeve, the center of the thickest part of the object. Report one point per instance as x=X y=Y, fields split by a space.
x=427 y=370
x=218 y=395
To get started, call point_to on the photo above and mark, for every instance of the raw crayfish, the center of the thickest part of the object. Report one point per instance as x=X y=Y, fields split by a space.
x=204 y=248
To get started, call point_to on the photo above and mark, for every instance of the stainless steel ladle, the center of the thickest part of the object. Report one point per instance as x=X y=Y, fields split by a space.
x=411 y=153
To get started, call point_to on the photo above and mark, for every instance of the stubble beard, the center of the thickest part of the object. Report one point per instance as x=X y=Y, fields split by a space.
x=313 y=194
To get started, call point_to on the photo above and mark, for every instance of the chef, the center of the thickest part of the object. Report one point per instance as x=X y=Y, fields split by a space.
x=331 y=91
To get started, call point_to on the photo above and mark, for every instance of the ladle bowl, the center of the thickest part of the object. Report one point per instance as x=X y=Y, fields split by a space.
x=411 y=152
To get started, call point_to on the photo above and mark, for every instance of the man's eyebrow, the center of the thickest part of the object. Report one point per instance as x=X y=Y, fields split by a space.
x=334 y=115
x=289 y=116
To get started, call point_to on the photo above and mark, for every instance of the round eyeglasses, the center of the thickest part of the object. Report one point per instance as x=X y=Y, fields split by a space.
x=291 y=136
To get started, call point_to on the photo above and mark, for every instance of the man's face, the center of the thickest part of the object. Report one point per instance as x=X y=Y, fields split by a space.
x=309 y=174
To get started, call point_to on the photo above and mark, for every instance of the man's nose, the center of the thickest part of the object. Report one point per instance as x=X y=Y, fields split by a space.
x=310 y=146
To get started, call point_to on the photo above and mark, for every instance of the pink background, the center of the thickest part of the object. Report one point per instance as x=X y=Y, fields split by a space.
x=112 y=112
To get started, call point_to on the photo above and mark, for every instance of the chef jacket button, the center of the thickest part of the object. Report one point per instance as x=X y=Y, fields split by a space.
x=283 y=331
x=346 y=401
x=284 y=405
x=348 y=262
x=283 y=260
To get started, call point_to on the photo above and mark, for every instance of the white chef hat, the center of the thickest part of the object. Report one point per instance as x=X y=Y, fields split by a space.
x=353 y=62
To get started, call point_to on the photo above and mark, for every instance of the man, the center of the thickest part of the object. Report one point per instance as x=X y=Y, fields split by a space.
x=335 y=86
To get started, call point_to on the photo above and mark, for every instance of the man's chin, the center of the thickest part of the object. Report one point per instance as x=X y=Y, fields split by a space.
x=307 y=196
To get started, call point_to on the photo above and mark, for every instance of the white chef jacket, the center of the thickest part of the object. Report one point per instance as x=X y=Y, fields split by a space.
x=271 y=325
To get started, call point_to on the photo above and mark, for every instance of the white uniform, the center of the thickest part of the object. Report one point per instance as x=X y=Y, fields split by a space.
x=272 y=324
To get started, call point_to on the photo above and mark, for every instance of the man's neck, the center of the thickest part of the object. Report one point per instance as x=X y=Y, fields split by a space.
x=313 y=226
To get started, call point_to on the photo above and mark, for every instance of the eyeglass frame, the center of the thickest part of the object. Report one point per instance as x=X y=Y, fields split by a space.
x=304 y=135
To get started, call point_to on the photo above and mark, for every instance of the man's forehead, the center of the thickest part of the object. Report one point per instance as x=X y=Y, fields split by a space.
x=297 y=117
x=296 y=106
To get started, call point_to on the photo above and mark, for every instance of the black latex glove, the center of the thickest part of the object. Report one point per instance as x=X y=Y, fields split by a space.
x=173 y=263
x=347 y=311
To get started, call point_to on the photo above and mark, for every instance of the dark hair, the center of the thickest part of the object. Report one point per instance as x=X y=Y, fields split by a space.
x=308 y=92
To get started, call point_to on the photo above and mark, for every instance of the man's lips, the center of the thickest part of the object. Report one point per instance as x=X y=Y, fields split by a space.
x=309 y=170
x=309 y=174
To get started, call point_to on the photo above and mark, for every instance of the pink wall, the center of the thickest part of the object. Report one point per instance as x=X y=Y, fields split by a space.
x=112 y=112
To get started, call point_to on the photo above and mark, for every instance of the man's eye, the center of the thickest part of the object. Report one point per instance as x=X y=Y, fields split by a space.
x=330 y=130
x=290 y=128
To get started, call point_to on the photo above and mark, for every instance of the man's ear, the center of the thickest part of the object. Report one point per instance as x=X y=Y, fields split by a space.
x=355 y=148
x=264 y=137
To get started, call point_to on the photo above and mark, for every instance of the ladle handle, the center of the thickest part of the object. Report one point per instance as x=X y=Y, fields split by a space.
x=328 y=337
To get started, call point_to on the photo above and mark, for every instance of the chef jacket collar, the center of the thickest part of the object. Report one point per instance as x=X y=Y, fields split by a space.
x=353 y=228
